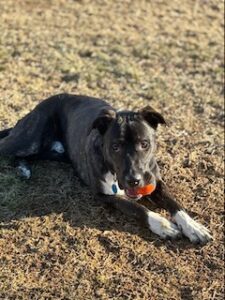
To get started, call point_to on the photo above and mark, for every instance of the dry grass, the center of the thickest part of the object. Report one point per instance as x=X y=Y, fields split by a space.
x=55 y=242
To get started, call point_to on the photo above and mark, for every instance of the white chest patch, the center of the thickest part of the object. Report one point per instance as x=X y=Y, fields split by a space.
x=110 y=185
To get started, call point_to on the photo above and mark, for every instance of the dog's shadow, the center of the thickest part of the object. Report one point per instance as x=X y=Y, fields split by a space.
x=53 y=189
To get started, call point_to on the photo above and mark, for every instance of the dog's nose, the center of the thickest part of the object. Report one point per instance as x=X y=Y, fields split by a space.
x=133 y=181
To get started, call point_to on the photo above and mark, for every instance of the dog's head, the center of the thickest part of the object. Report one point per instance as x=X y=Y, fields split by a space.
x=129 y=144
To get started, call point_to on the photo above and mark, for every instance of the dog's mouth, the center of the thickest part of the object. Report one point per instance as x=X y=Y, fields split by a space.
x=139 y=192
x=133 y=194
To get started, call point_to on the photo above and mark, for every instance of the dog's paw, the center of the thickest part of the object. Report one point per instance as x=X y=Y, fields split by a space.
x=196 y=232
x=57 y=147
x=162 y=227
x=23 y=171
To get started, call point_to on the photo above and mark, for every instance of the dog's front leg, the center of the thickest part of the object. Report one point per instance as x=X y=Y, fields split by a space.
x=196 y=232
x=156 y=223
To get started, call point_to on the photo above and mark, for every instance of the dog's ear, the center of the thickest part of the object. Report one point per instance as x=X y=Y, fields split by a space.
x=104 y=119
x=152 y=116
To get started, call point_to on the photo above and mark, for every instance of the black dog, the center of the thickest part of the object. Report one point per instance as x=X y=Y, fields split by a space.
x=111 y=151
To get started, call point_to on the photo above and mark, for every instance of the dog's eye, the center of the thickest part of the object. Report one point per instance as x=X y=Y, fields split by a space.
x=144 y=145
x=115 y=147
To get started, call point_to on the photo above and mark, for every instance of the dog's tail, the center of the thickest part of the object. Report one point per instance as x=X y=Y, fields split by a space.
x=5 y=133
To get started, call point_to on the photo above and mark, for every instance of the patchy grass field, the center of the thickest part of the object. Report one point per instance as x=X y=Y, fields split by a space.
x=55 y=241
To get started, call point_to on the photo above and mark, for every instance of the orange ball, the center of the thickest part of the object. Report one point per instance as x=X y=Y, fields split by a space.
x=145 y=190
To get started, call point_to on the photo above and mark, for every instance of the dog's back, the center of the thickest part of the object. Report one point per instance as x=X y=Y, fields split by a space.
x=59 y=117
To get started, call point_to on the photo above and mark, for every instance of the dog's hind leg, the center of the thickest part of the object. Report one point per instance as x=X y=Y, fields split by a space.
x=22 y=166
x=5 y=133
x=26 y=137
x=24 y=140
x=55 y=153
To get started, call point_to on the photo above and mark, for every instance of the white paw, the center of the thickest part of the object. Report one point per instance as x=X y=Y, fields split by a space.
x=196 y=232
x=24 y=171
x=162 y=227
x=58 y=147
